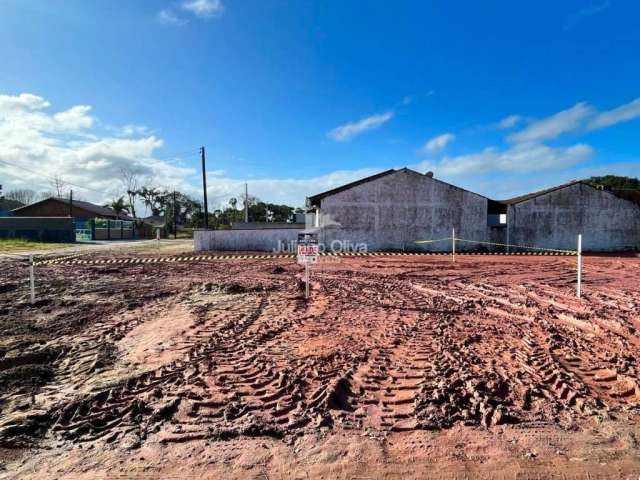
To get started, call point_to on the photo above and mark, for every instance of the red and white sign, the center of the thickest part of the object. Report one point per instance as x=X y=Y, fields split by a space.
x=308 y=254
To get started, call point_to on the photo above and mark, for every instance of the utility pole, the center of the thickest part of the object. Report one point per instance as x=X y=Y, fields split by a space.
x=246 y=203
x=204 y=189
x=175 y=217
x=71 y=203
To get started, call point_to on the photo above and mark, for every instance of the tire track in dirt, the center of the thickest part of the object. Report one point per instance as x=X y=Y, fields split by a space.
x=383 y=345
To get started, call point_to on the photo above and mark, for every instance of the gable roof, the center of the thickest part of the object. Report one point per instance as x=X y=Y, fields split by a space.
x=622 y=193
x=87 y=206
x=315 y=199
x=529 y=196
x=627 y=194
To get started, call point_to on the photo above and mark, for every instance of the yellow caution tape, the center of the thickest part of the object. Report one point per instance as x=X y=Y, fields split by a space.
x=542 y=249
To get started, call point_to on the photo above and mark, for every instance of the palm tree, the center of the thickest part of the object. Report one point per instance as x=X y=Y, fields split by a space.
x=149 y=198
x=119 y=206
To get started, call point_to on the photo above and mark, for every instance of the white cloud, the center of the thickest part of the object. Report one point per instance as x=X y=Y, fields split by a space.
x=623 y=113
x=590 y=11
x=204 y=8
x=168 y=17
x=350 y=130
x=37 y=144
x=131 y=130
x=581 y=117
x=22 y=101
x=438 y=143
x=509 y=122
x=551 y=127
x=75 y=118
x=70 y=144
x=289 y=191
x=520 y=158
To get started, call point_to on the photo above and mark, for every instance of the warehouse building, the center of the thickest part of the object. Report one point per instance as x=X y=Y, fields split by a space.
x=393 y=209
x=609 y=220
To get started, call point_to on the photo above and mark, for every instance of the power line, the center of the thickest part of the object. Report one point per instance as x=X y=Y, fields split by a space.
x=53 y=178
x=20 y=167
x=177 y=156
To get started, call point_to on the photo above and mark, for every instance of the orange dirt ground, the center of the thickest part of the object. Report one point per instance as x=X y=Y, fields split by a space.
x=397 y=367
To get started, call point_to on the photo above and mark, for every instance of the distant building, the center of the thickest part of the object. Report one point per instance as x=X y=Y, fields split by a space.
x=153 y=224
x=393 y=209
x=59 y=207
x=608 y=220
x=91 y=221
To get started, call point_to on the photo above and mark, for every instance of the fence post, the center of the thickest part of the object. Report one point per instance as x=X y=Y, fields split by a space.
x=579 y=287
x=306 y=280
x=508 y=251
x=32 y=281
x=453 y=245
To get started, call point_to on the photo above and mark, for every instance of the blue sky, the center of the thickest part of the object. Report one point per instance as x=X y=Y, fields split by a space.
x=299 y=96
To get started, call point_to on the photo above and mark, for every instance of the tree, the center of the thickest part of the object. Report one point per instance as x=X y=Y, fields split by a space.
x=119 y=206
x=24 y=196
x=46 y=194
x=129 y=179
x=615 y=181
x=58 y=185
x=8 y=204
x=270 y=212
x=149 y=198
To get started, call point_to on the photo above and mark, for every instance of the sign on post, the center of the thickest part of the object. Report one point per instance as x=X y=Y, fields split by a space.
x=307 y=255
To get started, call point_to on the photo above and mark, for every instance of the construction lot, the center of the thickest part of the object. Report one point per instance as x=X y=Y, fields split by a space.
x=396 y=367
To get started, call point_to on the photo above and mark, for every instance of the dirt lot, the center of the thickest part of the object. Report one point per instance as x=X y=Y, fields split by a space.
x=397 y=367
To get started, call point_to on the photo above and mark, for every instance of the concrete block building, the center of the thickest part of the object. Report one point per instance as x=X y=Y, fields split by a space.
x=609 y=220
x=393 y=209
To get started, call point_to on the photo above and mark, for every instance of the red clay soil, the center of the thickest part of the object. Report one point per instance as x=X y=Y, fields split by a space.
x=397 y=367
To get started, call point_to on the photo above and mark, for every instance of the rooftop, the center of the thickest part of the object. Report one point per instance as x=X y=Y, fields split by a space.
x=88 y=206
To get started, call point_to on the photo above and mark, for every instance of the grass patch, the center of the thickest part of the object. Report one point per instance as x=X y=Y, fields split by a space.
x=14 y=245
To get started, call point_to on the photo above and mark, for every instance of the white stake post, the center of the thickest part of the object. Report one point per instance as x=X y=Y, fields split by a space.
x=306 y=280
x=32 y=281
x=579 y=289
x=453 y=245
x=508 y=239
